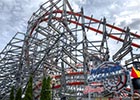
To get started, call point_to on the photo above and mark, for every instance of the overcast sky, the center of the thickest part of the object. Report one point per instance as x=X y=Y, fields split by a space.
x=14 y=14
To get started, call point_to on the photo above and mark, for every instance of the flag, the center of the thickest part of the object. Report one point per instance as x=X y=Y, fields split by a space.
x=135 y=73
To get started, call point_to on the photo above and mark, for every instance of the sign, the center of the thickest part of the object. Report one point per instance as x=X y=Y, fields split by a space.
x=105 y=71
x=89 y=89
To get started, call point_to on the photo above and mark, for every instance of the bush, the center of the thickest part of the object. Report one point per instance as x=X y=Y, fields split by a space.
x=12 y=93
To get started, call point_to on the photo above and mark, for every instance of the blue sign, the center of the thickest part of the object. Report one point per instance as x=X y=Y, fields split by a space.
x=104 y=72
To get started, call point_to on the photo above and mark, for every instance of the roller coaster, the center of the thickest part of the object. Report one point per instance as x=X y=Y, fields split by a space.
x=84 y=56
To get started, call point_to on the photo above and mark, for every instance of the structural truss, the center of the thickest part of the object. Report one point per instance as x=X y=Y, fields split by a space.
x=66 y=45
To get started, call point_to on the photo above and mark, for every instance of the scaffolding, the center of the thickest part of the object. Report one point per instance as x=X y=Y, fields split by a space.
x=66 y=45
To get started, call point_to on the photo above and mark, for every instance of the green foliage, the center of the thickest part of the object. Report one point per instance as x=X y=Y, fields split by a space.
x=29 y=90
x=12 y=93
x=46 y=89
x=49 y=89
x=18 y=94
x=72 y=98
x=43 y=90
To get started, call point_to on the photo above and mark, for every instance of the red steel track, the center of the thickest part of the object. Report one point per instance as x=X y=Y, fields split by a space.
x=69 y=83
x=44 y=18
x=88 y=27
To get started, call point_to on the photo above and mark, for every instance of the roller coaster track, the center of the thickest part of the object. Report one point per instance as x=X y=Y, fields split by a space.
x=56 y=41
x=92 y=20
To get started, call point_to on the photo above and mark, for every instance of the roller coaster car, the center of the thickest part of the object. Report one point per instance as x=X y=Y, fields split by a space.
x=135 y=73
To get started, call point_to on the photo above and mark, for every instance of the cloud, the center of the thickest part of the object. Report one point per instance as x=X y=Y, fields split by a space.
x=135 y=23
x=14 y=14
x=116 y=11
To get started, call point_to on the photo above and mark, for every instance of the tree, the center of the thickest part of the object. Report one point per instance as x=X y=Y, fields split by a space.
x=18 y=94
x=46 y=89
x=43 y=90
x=12 y=93
x=29 y=90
